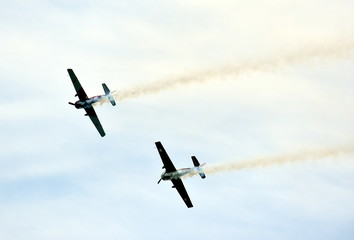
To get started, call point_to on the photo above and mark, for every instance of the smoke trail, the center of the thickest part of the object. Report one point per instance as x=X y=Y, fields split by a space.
x=262 y=162
x=335 y=49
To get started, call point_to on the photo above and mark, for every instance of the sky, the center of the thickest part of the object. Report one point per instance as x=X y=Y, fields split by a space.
x=266 y=85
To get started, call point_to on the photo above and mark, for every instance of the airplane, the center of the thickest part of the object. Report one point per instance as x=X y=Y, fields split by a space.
x=87 y=103
x=171 y=173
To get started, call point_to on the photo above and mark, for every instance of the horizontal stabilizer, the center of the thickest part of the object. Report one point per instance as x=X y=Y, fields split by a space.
x=106 y=89
x=111 y=99
x=202 y=174
x=195 y=161
x=198 y=167
x=108 y=94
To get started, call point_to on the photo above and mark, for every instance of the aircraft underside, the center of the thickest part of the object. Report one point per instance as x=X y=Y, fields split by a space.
x=88 y=103
x=176 y=175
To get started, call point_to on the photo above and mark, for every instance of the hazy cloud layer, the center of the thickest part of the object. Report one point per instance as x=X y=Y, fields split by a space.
x=221 y=80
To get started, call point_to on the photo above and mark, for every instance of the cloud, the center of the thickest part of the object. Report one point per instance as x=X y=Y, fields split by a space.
x=258 y=110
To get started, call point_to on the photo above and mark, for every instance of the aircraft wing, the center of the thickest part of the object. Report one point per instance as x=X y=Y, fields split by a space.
x=93 y=116
x=167 y=163
x=79 y=90
x=178 y=184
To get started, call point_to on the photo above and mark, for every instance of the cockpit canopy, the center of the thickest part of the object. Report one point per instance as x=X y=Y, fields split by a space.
x=164 y=175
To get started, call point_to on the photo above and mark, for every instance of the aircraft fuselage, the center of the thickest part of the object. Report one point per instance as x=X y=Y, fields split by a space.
x=177 y=174
x=88 y=102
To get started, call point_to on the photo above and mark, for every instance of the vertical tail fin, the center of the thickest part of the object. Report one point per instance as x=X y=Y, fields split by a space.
x=198 y=167
x=108 y=94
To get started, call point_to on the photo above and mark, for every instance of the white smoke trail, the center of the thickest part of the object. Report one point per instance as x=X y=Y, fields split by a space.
x=336 y=49
x=263 y=162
